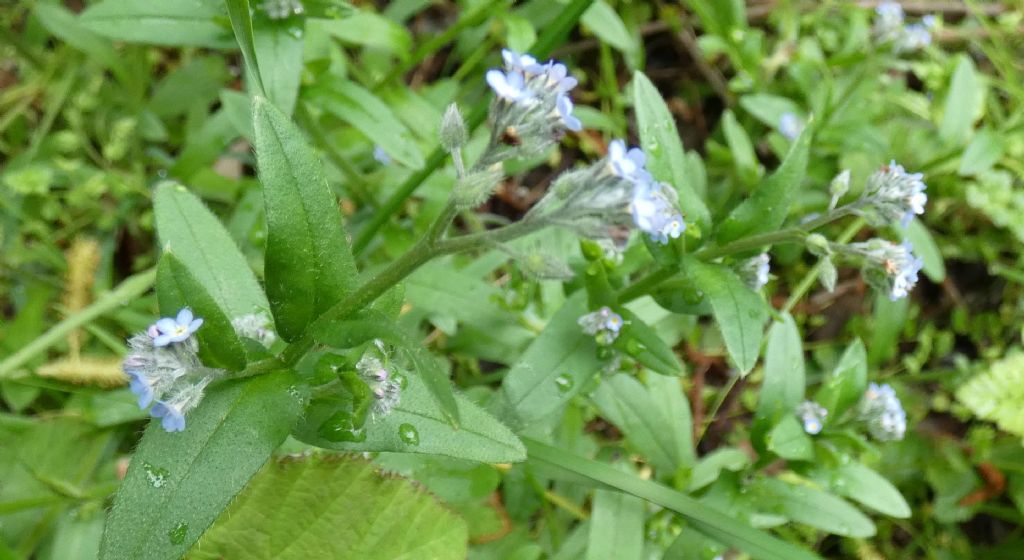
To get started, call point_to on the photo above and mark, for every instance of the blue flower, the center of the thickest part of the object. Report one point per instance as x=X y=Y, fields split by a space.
x=755 y=271
x=523 y=63
x=812 y=415
x=381 y=156
x=896 y=194
x=171 y=417
x=604 y=324
x=142 y=386
x=175 y=330
x=883 y=412
x=510 y=86
x=171 y=412
x=655 y=213
x=558 y=77
x=903 y=269
x=564 y=105
x=790 y=125
x=628 y=164
x=888 y=267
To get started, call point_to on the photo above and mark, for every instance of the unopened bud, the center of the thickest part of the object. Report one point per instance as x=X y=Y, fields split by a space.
x=453 y=129
x=829 y=274
x=474 y=189
x=818 y=245
x=838 y=187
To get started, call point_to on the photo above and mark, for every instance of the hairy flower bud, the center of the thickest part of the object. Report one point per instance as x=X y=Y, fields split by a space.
x=453 y=129
x=838 y=187
x=475 y=188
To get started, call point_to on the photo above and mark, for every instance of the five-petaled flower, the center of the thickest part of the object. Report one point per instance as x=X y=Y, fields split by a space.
x=169 y=330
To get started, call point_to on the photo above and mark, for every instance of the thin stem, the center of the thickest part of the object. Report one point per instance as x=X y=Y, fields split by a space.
x=722 y=395
x=812 y=276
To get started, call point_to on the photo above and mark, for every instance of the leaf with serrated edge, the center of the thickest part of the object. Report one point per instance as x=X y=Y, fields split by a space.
x=331 y=506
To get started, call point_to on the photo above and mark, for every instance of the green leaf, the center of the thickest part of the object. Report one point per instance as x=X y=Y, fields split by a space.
x=711 y=465
x=309 y=266
x=813 y=507
x=845 y=385
x=662 y=434
x=768 y=108
x=70 y=29
x=554 y=368
x=964 y=101
x=643 y=344
x=369 y=325
x=741 y=147
x=616 y=526
x=607 y=25
x=789 y=441
x=480 y=437
x=997 y=395
x=355 y=512
x=739 y=311
x=195 y=236
x=767 y=207
x=368 y=29
x=173 y=23
x=926 y=248
x=861 y=484
x=240 y=14
x=178 y=483
x=984 y=151
x=363 y=110
x=278 y=45
x=219 y=345
x=660 y=140
x=784 y=383
x=703 y=517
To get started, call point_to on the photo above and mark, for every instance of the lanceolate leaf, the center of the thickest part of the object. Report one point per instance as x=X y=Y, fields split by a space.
x=813 y=507
x=660 y=141
x=240 y=14
x=176 y=287
x=784 y=383
x=178 y=483
x=175 y=23
x=766 y=209
x=195 y=236
x=642 y=342
x=309 y=265
x=845 y=385
x=740 y=312
x=278 y=46
x=331 y=506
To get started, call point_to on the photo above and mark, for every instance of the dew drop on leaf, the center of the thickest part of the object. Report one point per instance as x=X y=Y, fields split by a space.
x=156 y=476
x=564 y=382
x=408 y=434
x=177 y=534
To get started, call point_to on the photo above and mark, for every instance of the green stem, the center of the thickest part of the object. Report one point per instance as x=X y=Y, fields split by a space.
x=127 y=290
x=812 y=276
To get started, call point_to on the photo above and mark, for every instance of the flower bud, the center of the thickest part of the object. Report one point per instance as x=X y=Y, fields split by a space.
x=475 y=188
x=829 y=274
x=838 y=187
x=818 y=245
x=453 y=129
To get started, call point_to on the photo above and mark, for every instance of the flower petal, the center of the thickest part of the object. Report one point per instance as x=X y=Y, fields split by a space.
x=184 y=316
x=166 y=325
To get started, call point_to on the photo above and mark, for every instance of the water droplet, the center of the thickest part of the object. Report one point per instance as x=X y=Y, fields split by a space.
x=634 y=348
x=177 y=534
x=692 y=296
x=156 y=476
x=564 y=382
x=409 y=434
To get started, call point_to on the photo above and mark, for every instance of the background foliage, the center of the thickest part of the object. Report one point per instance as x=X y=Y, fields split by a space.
x=102 y=104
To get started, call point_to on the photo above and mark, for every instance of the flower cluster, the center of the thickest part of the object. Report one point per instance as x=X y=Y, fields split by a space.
x=888 y=267
x=282 y=9
x=385 y=387
x=533 y=108
x=653 y=204
x=890 y=27
x=603 y=324
x=895 y=194
x=255 y=326
x=882 y=411
x=164 y=369
x=754 y=271
x=812 y=415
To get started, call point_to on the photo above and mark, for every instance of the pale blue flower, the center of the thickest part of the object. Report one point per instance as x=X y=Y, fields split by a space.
x=381 y=156
x=604 y=324
x=172 y=411
x=790 y=126
x=142 y=385
x=628 y=163
x=510 y=86
x=523 y=63
x=812 y=415
x=896 y=194
x=755 y=271
x=558 y=77
x=564 y=106
x=888 y=267
x=654 y=212
x=175 y=330
x=883 y=412
x=888 y=25
x=915 y=37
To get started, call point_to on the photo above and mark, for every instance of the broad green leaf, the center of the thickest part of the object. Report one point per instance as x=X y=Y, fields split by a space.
x=711 y=465
x=926 y=248
x=660 y=140
x=789 y=441
x=366 y=28
x=886 y=325
x=642 y=343
x=178 y=483
x=813 y=507
x=739 y=311
x=845 y=385
x=76 y=535
x=607 y=25
x=984 y=151
x=784 y=383
x=554 y=368
x=70 y=29
x=861 y=484
x=195 y=236
x=740 y=146
x=197 y=83
x=173 y=23
x=768 y=108
x=616 y=526
x=278 y=46
x=480 y=436
x=768 y=206
x=219 y=345
x=333 y=506
x=650 y=426
x=309 y=266
x=964 y=101
x=348 y=333
x=363 y=110
x=705 y=518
